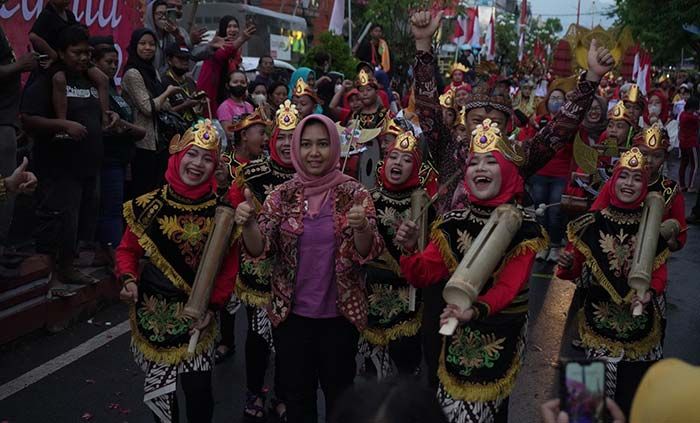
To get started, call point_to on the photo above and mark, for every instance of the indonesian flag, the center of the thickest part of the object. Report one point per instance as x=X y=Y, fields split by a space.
x=490 y=39
x=644 y=71
x=337 y=17
x=522 y=24
x=521 y=46
x=474 y=33
x=459 y=36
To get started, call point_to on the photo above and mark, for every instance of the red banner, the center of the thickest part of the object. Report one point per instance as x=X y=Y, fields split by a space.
x=103 y=17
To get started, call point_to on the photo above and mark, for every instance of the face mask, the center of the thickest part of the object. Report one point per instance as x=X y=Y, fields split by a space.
x=259 y=99
x=554 y=105
x=654 y=109
x=237 y=90
x=178 y=71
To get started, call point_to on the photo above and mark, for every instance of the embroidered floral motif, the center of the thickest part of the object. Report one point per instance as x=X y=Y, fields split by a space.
x=621 y=218
x=261 y=270
x=143 y=200
x=162 y=318
x=464 y=241
x=620 y=251
x=189 y=232
x=470 y=349
x=619 y=318
x=268 y=188
x=386 y=302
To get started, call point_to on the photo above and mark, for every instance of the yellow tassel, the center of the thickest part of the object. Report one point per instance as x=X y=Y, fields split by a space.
x=527 y=246
x=478 y=392
x=150 y=247
x=661 y=259
x=172 y=355
x=250 y=296
x=632 y=350
x=404 y=329
x=438 y=237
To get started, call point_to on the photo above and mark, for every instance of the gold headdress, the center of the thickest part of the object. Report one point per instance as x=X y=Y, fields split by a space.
x=461 y=118
x=405 y=142
x=447 y=100
x=620 y=112
x=487 y=137
x=287 y=116
x=654 y=138
x=365 y=79
x=391 y=128
x=458 y=67
x=301 y=88
x=633 y=95
x=258 y=117
x=202 y=134
x=632 y=159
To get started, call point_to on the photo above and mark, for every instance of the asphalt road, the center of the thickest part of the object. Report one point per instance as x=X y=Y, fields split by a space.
x=104 y=385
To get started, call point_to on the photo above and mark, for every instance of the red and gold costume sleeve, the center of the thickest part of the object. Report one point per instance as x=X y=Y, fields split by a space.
x=575 y=270
x=424 y=268
x=677 y=211
x=509 y=282
x=127 y=257
x=659 y=278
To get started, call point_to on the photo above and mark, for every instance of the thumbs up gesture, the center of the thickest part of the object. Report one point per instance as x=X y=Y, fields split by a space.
x=245 y=212
x=600 y=61
x=21 y=181
x=357 y=218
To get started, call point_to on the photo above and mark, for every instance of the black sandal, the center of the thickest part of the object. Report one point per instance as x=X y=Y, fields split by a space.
x=252 y=411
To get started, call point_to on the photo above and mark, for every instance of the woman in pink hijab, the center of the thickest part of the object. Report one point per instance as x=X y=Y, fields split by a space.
x=318 y=230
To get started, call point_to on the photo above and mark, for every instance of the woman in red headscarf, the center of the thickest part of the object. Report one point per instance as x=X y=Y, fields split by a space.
x=598 y=257
x=318 y=230
x=392 y=333
x=171 y=225
x=261 y=176
x=493 y=330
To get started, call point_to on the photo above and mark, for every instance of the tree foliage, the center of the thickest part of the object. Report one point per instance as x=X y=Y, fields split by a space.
x=507 y=35
x=658 y=25
x=341 y=57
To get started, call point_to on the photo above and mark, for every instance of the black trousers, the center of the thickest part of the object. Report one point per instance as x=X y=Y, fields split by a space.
x=313 y=351
x=199 y=399
x=406 y=353
x=228 y=329
x=147 y=171
x=432 y=340
x=629 y=376
x=66 y=212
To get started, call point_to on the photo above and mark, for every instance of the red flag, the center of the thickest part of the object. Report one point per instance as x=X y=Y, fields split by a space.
x=490 y=39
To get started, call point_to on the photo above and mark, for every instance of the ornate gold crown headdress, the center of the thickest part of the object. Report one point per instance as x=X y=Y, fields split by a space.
x=391 y=128
x=620 y=112
x=202 y=134
x=406 y=142
x=461 y=118
x=301 y=88
x=258 y=117
x=653 y=137
x=458 y=67
x=287 y=116
x=447 y=100
x=632 y=159
x=633 y=95
x=487 y=138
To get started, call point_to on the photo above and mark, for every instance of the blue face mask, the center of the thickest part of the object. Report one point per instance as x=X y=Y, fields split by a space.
x=554 y=105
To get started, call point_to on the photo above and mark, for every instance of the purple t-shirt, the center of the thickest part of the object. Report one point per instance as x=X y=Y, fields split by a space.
x=232 y=111
x=315 y=291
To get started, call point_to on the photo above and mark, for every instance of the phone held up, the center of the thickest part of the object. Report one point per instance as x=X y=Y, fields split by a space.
x=582 y=390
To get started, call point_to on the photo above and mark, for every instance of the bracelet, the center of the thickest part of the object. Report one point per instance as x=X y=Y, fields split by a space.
x=127 y=278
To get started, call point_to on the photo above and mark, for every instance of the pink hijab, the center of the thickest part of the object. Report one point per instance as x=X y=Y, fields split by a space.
x=316 y=188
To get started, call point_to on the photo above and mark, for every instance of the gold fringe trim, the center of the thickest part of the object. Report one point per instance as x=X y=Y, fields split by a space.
x=404 y=329
x=437 y=236
x=389 y=263
x=187 y=207
x=530 y=245
x=478 y=392
x=632 y=350
x=661 y=259
x=150 y=247
x=173 y=355
x=250 y=296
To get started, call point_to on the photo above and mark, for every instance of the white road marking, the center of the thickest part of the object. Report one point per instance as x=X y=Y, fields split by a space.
x=56 y=364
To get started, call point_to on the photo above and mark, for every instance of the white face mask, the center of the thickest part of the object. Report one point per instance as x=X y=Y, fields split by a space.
x=655 y=109
x=259 y=99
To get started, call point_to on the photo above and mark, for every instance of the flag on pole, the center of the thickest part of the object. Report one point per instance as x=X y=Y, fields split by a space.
x=337 y=17
x=490 y=39
x=522 y=23
x=475 y=39
x=644 y=73
x=459 y=36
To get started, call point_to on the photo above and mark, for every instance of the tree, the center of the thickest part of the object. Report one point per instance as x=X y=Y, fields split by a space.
x=658 y=25
x=341 y=56
x=508 y=35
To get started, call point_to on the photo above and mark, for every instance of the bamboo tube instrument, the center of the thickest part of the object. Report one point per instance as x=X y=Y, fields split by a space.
x=212 y=257
x=670 y=229
x=419 y=199
x=480 y=260
x=639 y=277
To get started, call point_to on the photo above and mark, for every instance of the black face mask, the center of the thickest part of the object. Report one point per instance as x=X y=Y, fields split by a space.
x=179 y=71
x=237 y=90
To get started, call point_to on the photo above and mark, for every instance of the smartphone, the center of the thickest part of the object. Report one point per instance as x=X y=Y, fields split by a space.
x=582 y=390
x=171 y=14
x=42 y=57
x=249 y=20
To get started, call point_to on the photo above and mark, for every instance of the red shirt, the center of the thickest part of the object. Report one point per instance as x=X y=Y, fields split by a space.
x=688 y=125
